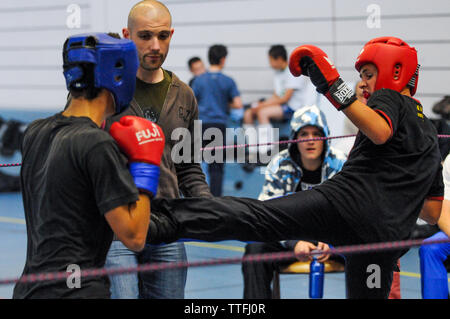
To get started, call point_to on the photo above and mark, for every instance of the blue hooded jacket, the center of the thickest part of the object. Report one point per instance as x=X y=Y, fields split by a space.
x=283 y=174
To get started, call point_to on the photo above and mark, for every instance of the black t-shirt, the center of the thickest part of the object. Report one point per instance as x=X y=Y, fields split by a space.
x=309 y=179
x=72 y=174
x=381 y=189
x=151 y=96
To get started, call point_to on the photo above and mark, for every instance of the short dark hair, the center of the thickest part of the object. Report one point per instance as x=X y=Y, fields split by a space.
x=216 y=53
x=114 y=35
x=193 y=60
x=278 y=51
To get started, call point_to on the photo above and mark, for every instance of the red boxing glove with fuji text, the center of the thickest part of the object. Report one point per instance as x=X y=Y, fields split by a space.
x=143 y=142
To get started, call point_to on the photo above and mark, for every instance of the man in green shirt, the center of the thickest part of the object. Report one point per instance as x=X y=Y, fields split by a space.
x=161 y=97
x=151 y=96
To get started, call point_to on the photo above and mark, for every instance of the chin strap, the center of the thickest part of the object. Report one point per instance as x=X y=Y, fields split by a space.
x=412 y=82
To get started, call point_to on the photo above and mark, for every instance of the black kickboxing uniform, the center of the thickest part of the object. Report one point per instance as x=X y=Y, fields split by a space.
x=72 y=174
x=377 y=196
x=258 y=276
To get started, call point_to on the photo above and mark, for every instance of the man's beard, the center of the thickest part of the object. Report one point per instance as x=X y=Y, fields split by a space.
x=152 y=66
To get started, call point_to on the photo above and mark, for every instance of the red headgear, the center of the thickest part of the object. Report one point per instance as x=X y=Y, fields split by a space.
x=395 y=60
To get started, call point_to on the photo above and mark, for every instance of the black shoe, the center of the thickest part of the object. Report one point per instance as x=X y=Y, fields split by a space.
x=163 y=229
x=424 y=231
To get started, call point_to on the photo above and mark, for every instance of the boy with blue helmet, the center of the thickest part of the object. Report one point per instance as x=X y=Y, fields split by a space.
x=77 y=188
x=99 y=61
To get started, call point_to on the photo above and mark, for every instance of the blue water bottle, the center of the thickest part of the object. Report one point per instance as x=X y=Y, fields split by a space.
x=316 y=273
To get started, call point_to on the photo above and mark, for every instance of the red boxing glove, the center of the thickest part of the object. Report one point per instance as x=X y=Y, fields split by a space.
x=311 y=61
x=143 y=142
x=140 y=139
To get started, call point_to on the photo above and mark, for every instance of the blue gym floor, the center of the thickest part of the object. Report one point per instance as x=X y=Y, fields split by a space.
x=215 y=282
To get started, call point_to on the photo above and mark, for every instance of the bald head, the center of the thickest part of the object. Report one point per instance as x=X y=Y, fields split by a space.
x=150 y=28
x=148 y=9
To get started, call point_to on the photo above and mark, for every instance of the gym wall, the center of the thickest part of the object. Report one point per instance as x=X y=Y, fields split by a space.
x=32 y=34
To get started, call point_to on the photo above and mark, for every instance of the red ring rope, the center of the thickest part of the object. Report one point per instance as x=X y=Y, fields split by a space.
x=342 y=250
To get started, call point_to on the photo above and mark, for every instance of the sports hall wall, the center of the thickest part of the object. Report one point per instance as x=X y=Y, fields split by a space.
x=32 y=34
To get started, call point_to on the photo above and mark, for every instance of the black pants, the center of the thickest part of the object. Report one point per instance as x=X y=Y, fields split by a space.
x=258 y=276
x=215 y=169
x=304 y=215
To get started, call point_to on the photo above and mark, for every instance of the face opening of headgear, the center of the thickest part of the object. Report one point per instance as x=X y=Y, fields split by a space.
x=395 y=60
x=114 y=63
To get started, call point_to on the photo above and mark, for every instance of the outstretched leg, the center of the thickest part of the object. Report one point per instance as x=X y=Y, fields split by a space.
x=306 y=215
x=303 y=215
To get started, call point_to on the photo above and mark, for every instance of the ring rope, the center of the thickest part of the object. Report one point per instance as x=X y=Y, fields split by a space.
x=350 y=249
x=301 y=140
x=342 y=250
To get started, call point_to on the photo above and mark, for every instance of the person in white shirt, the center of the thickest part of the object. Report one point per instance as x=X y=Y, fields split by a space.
x=290 y=94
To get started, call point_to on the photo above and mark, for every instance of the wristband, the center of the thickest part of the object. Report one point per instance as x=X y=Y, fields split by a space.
x=146 y=177
x=341 y=95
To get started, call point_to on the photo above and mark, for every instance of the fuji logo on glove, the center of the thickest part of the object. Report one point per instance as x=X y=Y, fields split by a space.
x=146 y=136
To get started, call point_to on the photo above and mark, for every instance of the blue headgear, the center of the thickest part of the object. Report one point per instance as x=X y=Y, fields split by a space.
x=115 y=63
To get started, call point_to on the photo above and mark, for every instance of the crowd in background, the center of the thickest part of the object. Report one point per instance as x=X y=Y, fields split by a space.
x=219 y=101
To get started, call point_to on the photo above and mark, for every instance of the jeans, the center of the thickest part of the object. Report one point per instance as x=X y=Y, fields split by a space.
x=215 y=170
x=164 y=284
x=122 y=286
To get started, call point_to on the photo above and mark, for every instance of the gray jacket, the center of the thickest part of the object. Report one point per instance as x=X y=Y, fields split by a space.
x=179 y=110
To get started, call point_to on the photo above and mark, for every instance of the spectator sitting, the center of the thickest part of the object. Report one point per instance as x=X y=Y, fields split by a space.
x=290 y=93
x=298 y=168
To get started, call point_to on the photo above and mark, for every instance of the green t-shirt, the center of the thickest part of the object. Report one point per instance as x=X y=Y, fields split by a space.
x=151 y=96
